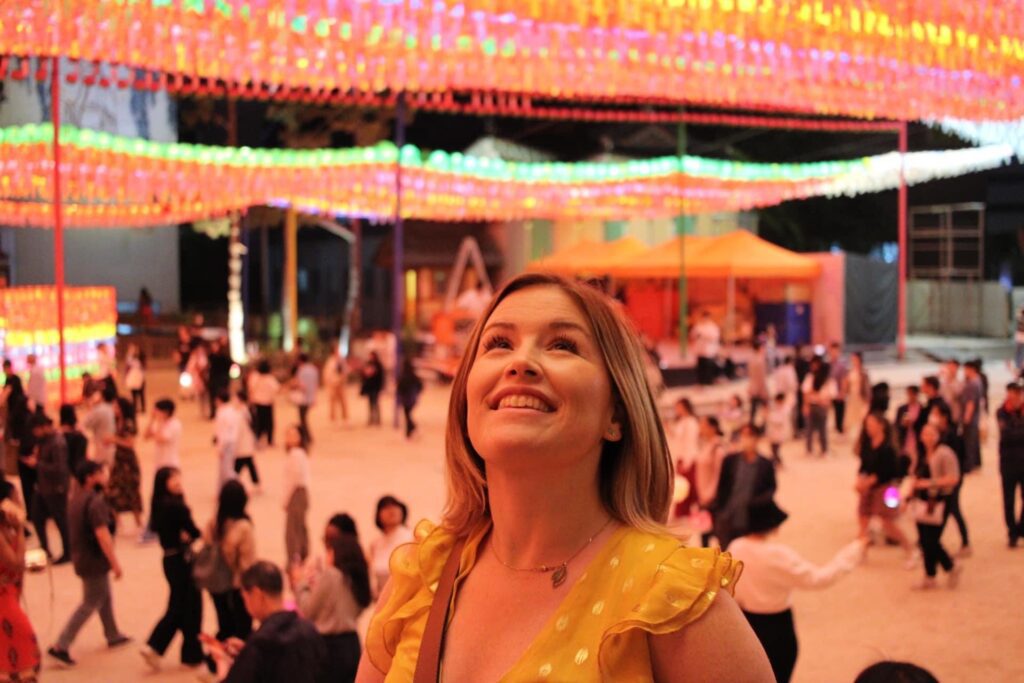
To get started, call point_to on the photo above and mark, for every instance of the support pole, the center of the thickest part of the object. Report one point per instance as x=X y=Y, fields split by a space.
x=236 y=258
x=289 y=288
x=901 y=306
x=684 y=226
x=398 y=264
x=58 y=226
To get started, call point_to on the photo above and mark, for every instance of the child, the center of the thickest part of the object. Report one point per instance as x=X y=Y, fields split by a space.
x=296 y=496
x=779 y=422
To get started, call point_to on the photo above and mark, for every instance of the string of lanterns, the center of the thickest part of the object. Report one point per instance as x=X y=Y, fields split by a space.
x=865 y=58
x=116 y=181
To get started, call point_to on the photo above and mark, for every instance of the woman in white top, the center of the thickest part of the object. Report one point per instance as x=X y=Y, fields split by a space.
x=391 y=517
x=858 y=394
x=771 y=572
x=818 y=390
x=263 y=389
x=683 y=445
x=335 y=373
x=706 y=470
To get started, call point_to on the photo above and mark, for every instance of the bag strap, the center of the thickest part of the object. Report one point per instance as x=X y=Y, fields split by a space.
x=428 y=665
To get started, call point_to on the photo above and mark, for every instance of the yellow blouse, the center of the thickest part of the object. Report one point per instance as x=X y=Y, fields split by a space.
x=639 y=583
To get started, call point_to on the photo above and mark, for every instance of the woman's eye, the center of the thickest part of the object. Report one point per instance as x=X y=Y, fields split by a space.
x=565 y=344
x=497 y=342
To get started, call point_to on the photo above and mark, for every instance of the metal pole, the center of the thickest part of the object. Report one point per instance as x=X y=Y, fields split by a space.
x=901 y=306
x=290 y=289
x=684 y=225
x=398 y=267
x=58 y=225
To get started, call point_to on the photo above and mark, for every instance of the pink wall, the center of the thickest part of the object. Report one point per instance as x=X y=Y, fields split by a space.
x=828 y=299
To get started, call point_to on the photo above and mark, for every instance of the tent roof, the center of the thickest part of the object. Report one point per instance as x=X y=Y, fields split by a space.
x=743 y=254
x=591 y=258
x=663 y=261
x=738 y=253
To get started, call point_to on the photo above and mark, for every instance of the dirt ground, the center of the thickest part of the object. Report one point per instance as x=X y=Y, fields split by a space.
x=973 y=633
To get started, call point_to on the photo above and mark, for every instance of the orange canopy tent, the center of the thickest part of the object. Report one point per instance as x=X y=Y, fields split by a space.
x=662 y=261
x=742 y=254
x=592 y=258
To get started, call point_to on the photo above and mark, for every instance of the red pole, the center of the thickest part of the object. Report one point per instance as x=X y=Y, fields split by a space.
x=901 y=320
x=58 y=224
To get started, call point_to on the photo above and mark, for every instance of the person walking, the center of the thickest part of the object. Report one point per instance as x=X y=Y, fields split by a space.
x=76 y=442
x=802 y=368
x=877 y=481
x=706 y=338
x=296 y=496
x=92 y=524
x=706 y=471
x=245 y=451
x=101 y=424
x=683 y=437
x=779 y=425
x=135 y=377
x=124 y=491
x=1011 y=460
x=951 y=386
x=391 y=518
x=263 y=389
x=21 y=657
x=172 y=521
x=218 y=373
x=757 y=383
x=226 y=425
x=306 y=384
x=949 y=438
x=818 y=391
x=51 y=496
x=35 y=389
x=971 y=395
x=231 y=531
x=858 y=394
x=373 y=384
x=18 y=435
x=747 y=479
x=409 y=388
x=335 y=376
x=937 y=475
x=907 y=417
x=839 y=374
x=334 y=601
x=772 y=571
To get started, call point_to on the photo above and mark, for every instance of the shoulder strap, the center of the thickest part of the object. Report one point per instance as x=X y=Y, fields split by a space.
x=428 y=665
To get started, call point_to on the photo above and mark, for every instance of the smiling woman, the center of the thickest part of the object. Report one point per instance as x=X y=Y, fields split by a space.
x=552 y=561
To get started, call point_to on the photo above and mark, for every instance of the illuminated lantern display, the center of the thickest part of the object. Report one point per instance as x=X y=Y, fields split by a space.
x=865 y=58
x=114 y=181
x=28 y=324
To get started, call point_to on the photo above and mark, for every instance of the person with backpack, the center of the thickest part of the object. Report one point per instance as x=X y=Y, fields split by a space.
x=91 y=524
x=172 y=522
x=230 y=545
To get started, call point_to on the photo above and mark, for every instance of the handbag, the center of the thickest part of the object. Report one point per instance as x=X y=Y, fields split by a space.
x=930 y=512
x=428 y=664
x=210 y=571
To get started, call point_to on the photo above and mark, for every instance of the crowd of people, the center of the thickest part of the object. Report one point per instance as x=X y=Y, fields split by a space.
x=85 y=472
x=910 y=469
x=80 y=470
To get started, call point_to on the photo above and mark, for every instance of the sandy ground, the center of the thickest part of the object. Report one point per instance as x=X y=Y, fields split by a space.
x=971 y=634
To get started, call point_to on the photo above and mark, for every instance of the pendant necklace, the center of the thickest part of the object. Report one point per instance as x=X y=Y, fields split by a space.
x=559 y=571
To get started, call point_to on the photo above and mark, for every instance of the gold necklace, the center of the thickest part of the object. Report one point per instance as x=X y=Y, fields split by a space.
x=561 y=571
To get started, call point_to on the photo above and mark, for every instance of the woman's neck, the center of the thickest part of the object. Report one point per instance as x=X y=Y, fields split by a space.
x=543 y=517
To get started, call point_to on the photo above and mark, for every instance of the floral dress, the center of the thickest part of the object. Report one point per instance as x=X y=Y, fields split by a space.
x=19 y=650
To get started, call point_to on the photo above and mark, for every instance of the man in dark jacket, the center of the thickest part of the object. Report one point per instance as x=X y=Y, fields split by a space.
x=52 y=480
x=1011 y=458
x=285 y=648
x=747 y=479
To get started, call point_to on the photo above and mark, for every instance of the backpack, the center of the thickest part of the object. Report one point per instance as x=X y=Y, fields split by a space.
x=210 y=571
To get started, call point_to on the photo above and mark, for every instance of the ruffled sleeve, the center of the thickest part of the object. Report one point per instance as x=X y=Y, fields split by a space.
x=683 y=586
x=392 y=642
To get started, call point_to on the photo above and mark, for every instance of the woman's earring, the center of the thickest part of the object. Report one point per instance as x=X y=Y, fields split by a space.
x=612 y=434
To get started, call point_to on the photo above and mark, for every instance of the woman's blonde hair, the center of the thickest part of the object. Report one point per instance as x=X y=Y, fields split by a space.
x=635 y=472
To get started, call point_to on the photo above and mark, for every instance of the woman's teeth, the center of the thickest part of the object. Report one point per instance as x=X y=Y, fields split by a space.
x=522 y=401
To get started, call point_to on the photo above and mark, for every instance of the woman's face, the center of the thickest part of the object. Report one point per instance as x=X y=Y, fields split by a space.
x=390 y=516
x=929 y=436
x=174 y=484
x=538 y=393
